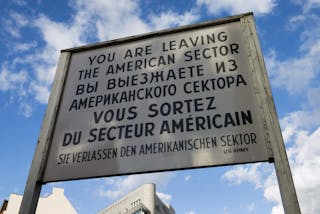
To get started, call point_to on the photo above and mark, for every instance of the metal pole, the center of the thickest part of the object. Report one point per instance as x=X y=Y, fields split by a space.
x=33 y=187
x=281 y=163
x=34 y=182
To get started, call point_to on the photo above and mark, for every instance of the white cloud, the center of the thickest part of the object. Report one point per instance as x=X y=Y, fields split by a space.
x=45 y=73
x=251 y=207
x=311 y=4
x=57 y=36
x=112 y=19
x=170 y=19
x=262 y=179
x=313 y=96
x=292 y=123
x=122 y=18
x=226 y=210
x=305 y=161
x=94 y=20
x=41 y=92
x=20 y=2
x=11 y=29
x=259 y=7
x=10 y=80
x=288 y=73
x=240 y=174
x=296 y=21
x=22 y=47
x=187 y=178
x=111 y=194
x=18 y=19
x=190 y=212
x=304 y=158
x=300 y=73
x=165 y=198
x=272 y=192
x=110 y=181
x=25 y=109
x=310 y=37
x=14 y=23
x=121 y=186
x=308 y=5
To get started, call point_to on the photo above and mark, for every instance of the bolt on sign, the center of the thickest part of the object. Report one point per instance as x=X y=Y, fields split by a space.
x=175 y=99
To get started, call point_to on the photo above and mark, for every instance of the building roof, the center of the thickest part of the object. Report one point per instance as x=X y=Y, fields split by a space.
x=54 y=203
x=143 y=199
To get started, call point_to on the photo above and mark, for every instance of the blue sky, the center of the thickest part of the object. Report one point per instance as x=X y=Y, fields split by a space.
x=33 y=32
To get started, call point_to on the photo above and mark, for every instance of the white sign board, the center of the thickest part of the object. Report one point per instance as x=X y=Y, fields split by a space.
x=174 y=101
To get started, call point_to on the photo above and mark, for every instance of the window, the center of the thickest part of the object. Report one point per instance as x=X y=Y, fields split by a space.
x=135 y=203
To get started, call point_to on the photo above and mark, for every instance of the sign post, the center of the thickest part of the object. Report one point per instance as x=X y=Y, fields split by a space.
x=189 y=97
x=35 y=180
x=287 y=189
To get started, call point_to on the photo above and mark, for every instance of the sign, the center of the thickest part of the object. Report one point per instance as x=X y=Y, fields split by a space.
x=173 y=100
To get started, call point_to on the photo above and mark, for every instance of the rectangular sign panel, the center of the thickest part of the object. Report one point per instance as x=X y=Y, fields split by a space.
x=162 y=102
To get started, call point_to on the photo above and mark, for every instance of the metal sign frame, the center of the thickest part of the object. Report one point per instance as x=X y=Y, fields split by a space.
x=275 y=143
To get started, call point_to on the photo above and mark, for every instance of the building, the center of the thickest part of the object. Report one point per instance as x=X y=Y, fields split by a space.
x=143 y=200
x=55 y=203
